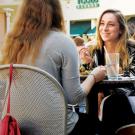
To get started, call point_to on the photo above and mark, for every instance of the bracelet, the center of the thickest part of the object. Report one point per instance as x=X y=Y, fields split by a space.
x=95 y=80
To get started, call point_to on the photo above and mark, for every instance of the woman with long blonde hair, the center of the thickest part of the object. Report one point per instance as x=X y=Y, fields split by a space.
x=112 y=37
x=38 y=38
x=112 y=33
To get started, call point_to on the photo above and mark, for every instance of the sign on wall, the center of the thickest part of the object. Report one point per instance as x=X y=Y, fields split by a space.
x=81 y=4
x=4 y=2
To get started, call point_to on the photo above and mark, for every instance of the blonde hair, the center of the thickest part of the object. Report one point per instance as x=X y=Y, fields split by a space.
x=34 y=19
x=122 y=43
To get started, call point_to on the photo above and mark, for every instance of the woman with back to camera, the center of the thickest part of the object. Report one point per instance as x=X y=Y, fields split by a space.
x=113 y=35
x=37 y=38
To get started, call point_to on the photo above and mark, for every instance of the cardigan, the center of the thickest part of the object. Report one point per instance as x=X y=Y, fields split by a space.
x=59 y=57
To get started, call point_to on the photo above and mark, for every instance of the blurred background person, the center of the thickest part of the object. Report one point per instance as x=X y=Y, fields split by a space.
x=79 y=41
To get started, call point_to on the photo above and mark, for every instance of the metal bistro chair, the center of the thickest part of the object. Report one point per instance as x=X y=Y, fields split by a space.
x=37 y=100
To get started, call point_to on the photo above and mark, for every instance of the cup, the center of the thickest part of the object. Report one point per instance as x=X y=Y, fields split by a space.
x=112 y=65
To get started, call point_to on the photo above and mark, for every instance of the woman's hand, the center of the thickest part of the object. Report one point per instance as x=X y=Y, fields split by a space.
x=85 y=56
x=96 y=75
x=99 y=73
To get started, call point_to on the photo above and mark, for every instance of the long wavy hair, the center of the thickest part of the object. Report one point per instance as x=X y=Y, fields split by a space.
x=123 y=37
x=33 y=21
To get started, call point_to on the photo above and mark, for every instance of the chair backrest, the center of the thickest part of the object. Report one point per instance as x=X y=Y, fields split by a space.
x=116 y=111
x=37 y=100
x=126 y=130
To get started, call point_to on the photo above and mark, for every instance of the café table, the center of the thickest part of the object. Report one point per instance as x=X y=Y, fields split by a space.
x=92 y=98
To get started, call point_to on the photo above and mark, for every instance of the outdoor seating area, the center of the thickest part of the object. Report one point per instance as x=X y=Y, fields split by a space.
x=67 y=67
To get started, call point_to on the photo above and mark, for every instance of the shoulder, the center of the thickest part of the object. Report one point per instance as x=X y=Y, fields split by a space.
x=61 y=37
x=131 y=47
x=131 y=43
x=59 y=42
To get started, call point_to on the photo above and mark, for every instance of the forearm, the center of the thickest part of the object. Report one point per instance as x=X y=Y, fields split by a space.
x=88 y=83
x=96 y=75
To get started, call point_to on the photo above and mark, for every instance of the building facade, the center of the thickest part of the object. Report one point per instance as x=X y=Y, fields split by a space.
x=80 y=15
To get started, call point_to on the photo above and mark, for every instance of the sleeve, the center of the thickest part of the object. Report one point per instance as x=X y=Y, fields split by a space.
x=70 y=73
x=131 y=50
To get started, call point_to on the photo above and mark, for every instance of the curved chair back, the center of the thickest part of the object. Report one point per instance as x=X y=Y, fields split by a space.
x=126 y=130
x=37 y=100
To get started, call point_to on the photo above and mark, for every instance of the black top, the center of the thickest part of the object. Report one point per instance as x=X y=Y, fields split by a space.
x=130 y=71
x=100 y=57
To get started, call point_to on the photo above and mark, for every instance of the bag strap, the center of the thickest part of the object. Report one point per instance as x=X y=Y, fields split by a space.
x=9 y=86
x=8 y=90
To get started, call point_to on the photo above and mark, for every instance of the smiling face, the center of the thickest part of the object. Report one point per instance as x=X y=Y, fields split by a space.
x=109 y=28
x=112 y=33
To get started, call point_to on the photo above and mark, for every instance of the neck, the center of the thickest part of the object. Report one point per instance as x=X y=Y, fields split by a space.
x=111 y=47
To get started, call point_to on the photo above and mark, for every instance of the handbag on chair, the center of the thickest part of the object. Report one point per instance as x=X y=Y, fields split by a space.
x=9 y=125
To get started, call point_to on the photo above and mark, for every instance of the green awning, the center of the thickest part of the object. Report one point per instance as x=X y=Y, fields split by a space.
x=80 y=28
x=92 y=31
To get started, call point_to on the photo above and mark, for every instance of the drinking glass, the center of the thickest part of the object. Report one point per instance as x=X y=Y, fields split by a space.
x=112 y=65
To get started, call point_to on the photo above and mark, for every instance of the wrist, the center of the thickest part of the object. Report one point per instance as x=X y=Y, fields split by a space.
x=94 y=77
